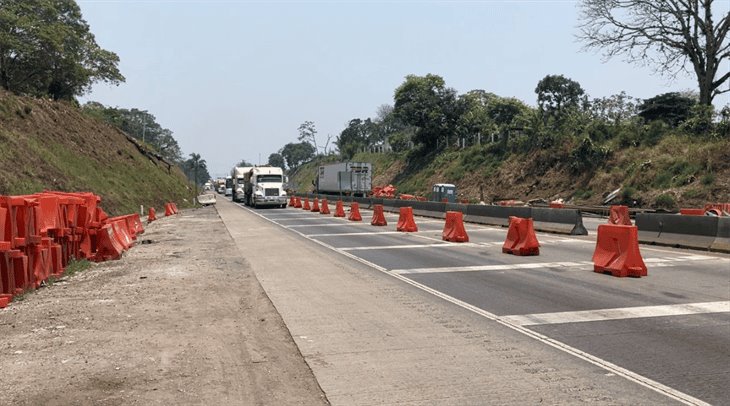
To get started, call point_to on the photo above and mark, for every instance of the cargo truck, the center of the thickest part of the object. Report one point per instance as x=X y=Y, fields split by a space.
x=238 y=174
x=229 y=186
x=265 y=186
x=346 y=178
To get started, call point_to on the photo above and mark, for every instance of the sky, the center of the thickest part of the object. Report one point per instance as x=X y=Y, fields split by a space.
x=234 y=80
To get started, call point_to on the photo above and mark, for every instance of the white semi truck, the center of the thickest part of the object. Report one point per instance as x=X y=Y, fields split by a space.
x=347 y=178
x=265 y=186
x=238 y=174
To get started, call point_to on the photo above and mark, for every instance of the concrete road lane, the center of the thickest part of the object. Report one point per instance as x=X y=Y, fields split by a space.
x=682 y=306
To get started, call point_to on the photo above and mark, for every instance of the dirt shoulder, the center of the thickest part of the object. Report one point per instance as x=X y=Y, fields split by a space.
x=182 y=320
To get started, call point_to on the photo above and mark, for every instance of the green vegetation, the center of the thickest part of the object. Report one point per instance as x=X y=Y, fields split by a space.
x=57 y=147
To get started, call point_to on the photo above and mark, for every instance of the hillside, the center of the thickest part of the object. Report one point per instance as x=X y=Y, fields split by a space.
x=52 y=145
x=675 y=172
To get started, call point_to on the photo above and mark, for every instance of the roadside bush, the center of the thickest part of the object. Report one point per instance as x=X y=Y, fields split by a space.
x=587 y=156
x=665 y=201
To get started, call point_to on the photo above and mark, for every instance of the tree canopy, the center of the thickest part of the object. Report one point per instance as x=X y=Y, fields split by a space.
x=47 y=49
x=297 y=153
x=141 y=125
x=425 y=103
x=664 y=35
x=556 y=94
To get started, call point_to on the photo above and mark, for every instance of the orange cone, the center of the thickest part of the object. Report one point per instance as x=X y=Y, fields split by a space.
x=325 y=209
x=306 y=206
x=521 y=238
x=454 y=228
x=617 y=251
x=378 y=216
x=315 y=205
x=406 y=222
x=297 y=203
x=151 y=216
x=168 y=209
x=354 y=212
x=339 y=209
x=291 y=201
x=620 y=215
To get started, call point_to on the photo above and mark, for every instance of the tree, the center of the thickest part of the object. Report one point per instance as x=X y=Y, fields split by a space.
x=556 y=94
x=296 y=154
x=662 y=34
x=141 y=125
x=308 y=133
x=427 y=104
x=615 y=108
x=355 y=137
x=672 y=108
x=277 y=160
x=196 y=170
x=46 y=48
x=244 y=163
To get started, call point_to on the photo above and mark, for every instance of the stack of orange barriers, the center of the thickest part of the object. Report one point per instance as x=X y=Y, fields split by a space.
x=41 y=233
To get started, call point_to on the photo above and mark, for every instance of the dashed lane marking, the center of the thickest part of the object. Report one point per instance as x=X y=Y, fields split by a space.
x=392 y=247
x=600 y=362
x=619 y=313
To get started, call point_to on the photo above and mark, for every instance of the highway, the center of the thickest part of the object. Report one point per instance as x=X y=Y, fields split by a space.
x=669 y=331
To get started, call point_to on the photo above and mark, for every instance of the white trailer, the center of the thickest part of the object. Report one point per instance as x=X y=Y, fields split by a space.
x=348 y=178
x=265 y=186
x=238 y=174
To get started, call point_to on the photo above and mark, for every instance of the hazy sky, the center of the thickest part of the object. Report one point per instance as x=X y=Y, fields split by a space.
x=234 y=79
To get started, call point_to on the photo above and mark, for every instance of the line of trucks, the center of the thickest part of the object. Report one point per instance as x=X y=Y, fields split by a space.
x=262 y=186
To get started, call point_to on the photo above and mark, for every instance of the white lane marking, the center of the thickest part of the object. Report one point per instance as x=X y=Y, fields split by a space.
x=300 y=218
x=608 y=366
x=347 y=234
x=350 y=223
x=391 y=247
x=619 y=313
x=501 y=267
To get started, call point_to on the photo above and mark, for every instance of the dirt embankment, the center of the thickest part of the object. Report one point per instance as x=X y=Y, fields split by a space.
x=52 y=145
x=181 y=320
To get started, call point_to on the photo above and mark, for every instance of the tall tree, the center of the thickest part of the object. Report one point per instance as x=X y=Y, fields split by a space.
x=297 y=153
x=556 y=94
x=663 y=34
x=46 y=48
x=277 y=160
x=308 y=133
x=427 y=104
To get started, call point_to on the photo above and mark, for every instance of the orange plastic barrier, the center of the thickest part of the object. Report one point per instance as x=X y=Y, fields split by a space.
x=454 y=230
x=557 y=205
x=722 y=208
x=168 y=209
x=315 y=205
x=619 y=215
x=151 y=215
x=406 y=222
x=378 y=216
x=692 y=212
x=521 y=238
x=617 y=251
x=305 y=205
x=354 y=212
x=108 y=246
x=297 y=203
x=339 y=209
x=291 y=201
x=325 y=209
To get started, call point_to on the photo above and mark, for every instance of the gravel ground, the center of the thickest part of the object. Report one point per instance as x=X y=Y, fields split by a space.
x=180 y=320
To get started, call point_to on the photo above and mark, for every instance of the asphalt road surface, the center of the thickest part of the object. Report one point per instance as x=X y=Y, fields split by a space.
x=669 y=331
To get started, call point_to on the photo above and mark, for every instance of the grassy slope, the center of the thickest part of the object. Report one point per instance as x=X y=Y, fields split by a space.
x=691 y=171
x=51 y=145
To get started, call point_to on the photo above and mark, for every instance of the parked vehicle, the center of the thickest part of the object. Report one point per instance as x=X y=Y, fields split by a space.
x=265 y=186
x=238 y=174
x=347 y=178
x=220 y=185
x=444 y=192
x=229 y=186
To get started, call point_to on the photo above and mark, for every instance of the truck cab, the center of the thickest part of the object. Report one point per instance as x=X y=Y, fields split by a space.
x=265 y=186
x=238 y=174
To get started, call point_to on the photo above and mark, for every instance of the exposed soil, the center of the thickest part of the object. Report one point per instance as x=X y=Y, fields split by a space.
x=179 y=320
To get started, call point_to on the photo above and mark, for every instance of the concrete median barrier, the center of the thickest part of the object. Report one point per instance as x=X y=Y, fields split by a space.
x=564 y=221
x=495 y=215
x=677 y=230
x=722 y=240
